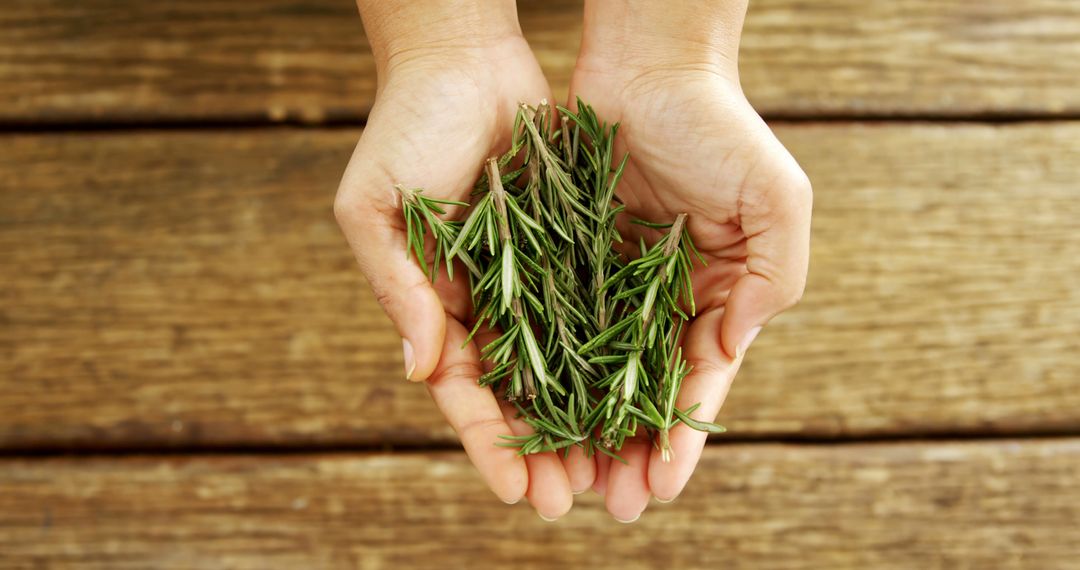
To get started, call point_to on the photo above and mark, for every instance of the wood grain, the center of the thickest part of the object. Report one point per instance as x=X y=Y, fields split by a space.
x=937 y=505
x=102 y=61
x=192 y=289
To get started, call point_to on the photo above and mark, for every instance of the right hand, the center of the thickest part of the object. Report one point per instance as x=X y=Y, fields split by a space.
x=440 y=111
x=668 y=73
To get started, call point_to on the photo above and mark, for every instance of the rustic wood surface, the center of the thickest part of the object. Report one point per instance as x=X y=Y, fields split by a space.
x=307 y=61
x=191 y=289
x=1000 y=504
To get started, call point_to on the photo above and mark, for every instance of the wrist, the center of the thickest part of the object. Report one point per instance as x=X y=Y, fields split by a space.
x=445 y=29
x=638 y=37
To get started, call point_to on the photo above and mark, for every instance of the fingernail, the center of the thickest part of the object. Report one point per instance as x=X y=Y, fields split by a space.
x=629 y=521
x=545 y=519
x=509 y=501
x=745 y=344
x=579 y=492
x=665 y=501
x=410 y=359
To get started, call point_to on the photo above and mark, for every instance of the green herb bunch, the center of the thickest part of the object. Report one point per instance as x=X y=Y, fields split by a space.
x=588 y=339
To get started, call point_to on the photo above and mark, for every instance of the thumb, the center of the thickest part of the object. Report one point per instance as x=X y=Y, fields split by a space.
x=777 y=221
x=369 y=214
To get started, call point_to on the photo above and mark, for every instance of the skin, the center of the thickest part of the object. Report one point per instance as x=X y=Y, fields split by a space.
x=670 y=77
x=451 y=74
x=450 y=78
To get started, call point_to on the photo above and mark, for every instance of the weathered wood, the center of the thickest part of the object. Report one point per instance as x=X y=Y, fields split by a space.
x=191 y=289
x=308 y=61
x=973 y=505
x=943 y=286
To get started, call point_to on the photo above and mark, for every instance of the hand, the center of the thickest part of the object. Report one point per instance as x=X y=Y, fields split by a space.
x=451 y=75
x=696 y=146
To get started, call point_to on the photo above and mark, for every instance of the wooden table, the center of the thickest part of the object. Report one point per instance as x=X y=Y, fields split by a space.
x=194 y=374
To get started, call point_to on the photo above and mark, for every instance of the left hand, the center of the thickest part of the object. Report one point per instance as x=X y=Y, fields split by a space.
x=451 y=75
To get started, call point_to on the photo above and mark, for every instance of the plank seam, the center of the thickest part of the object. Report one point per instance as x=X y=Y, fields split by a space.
x=300 y=449
x=16 y=128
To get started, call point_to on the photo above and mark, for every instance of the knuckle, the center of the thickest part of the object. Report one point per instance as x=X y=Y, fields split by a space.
x=346 y=208
x=794 y=293
x=366 y=192
x=479 y=425
x=392 y=296
x=385 y=299
x=798 y=182
x=787 y=195
x=794 y=189
x=468 y=370
x=706 y=368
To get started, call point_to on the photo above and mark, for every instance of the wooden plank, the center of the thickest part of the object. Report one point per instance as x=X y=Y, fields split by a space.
x=192 y=289
x=308 y=61
x=942 y=295
x=972 y=505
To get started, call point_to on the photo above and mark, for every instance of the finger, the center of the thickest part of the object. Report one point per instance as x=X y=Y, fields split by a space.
x=580 y=469
x=376 y=234
x=475 y=415
x=482 y=338
x=549 y=488
x=707 y=384
x=549 y=483
x=603 y=469
x=454 y=293
x=628 y=485
x=777 y=225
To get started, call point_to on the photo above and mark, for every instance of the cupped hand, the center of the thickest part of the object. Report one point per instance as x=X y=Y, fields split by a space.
x=697 y=146
x=440 y=111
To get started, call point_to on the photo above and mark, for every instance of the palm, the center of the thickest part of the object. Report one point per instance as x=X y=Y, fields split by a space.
x=696 y=146
x=697 y=149
x=436 y=119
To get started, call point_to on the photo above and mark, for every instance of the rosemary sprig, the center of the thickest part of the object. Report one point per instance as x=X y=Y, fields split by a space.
x=587 y=344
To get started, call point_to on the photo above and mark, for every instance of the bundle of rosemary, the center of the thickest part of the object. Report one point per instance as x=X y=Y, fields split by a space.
x=588 y=339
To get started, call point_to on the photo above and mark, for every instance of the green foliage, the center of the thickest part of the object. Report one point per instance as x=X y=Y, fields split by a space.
x=588 y=339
